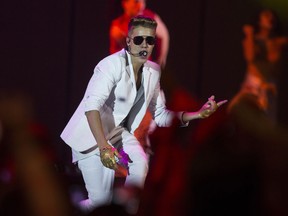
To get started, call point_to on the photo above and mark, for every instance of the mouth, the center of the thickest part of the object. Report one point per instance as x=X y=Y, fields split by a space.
x=143 y=53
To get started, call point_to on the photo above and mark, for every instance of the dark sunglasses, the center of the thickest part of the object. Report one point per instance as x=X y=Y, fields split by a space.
x=138 y=40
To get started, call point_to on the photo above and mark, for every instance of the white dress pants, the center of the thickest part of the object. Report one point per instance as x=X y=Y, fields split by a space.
x=99 y=180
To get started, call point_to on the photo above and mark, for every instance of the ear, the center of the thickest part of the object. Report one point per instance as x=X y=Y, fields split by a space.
x=128 y=40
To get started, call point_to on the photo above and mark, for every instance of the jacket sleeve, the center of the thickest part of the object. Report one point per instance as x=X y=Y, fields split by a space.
x=104 y=78
x=162 y=116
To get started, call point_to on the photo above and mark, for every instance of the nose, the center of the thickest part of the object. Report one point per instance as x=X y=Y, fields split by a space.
x=144 y=43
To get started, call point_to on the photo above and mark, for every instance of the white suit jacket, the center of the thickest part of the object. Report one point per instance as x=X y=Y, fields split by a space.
x=112 y=91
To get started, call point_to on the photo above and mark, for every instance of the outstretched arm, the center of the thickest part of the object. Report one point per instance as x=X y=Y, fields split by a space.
x=163 y=33
x=248 y=43
x=117 y=39
x=206 y=110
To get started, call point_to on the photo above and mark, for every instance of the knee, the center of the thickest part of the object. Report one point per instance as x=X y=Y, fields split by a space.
x=143 y=165
x=137 y=173
x=140 y=163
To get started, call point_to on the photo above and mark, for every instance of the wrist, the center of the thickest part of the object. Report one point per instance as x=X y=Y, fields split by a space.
x=182 y=118
x=200 y=115
x=104 y=148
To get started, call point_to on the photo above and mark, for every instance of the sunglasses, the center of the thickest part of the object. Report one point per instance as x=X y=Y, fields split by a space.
x=138 y=40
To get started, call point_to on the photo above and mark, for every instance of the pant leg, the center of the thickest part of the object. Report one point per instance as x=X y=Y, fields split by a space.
x=139 y=167
x=98 y=182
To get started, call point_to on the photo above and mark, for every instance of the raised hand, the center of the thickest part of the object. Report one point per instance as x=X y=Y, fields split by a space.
x=248 y=30
x=210 y=107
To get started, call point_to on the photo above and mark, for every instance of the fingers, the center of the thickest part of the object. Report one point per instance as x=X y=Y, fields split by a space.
x=211 y=98
x=116 y=153
x=211 y=105
x=212 y=102
x=110 y=158
x=221 y=103
x=107 y=157
x=109 y=163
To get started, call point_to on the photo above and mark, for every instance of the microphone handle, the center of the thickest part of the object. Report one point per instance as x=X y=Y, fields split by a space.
x=143 y=53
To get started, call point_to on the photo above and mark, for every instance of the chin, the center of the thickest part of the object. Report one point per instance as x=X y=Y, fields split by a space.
x=143 y=59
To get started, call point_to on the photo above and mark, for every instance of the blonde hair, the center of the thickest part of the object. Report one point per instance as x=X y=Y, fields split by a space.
x=143 y=21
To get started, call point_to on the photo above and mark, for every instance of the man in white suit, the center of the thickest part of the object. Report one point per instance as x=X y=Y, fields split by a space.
x=124 y=85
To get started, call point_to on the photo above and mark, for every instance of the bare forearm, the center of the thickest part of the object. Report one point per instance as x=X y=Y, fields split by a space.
x=188 y=116
x=248 y=49
x=162 y=33
x=95 y=124
x=248 y=43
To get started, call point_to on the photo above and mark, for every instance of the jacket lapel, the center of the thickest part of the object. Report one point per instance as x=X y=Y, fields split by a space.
x=129 y=70
x=147 y=77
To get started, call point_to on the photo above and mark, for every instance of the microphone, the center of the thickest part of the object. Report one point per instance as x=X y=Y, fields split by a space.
x=143 y=53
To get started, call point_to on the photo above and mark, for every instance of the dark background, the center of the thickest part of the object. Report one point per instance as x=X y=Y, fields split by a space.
x=50 y=47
